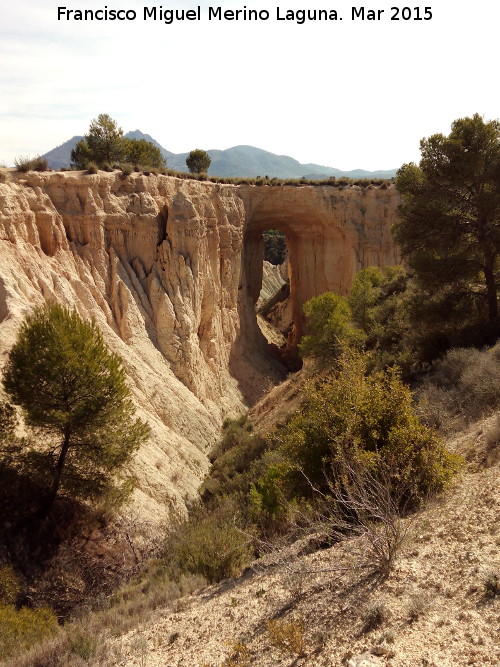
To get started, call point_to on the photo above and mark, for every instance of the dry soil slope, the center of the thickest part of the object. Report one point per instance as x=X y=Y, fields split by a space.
x=434 y=608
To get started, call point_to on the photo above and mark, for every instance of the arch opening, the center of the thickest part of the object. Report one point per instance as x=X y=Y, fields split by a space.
x=269 y=285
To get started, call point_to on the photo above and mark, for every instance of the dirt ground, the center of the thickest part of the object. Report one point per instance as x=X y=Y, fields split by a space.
x=437 y=608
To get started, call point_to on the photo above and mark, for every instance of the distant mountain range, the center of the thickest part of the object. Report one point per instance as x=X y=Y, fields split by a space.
x=242 y=161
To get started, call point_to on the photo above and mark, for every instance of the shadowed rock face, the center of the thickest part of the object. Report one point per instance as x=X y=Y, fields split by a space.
x=170 y=269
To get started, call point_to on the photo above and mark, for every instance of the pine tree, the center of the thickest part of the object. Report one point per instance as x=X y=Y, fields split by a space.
x=198 y=161
x=450 y=216
x=72 y=391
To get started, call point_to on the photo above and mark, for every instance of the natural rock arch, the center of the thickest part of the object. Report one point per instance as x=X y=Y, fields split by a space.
x=331 y=234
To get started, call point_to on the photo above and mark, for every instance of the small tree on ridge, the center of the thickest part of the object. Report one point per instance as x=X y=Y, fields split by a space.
x=198 y=161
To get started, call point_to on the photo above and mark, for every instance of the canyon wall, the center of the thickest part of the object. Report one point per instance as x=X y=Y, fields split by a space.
x=170 y=270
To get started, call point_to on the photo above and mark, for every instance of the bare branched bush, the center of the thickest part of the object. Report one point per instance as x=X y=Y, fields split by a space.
x=371 y=509
x=360 y=505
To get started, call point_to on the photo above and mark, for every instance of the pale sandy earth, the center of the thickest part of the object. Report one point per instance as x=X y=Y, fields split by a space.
x=435 y=611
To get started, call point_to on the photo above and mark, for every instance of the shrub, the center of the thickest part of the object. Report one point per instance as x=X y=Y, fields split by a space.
x=375 y=616
x=379 y=301
x=126 y=169
x=370 y=508
x=83 y=645
x=329 y=320
x=418 y=606
x=25 y=164
x=210 y=545
x=364 y=419
x=464 y=387
x=92 y=168
x=233 y=461
x=239 y=656
x=492 y=585
x=275 y=250
x=19 y=630
x=287 y=636
x=9 y=586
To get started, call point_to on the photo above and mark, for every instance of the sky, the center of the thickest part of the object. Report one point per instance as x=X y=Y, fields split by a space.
x=346 y=93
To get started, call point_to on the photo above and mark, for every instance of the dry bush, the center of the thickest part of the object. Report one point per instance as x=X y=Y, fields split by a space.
x=492 y=443
x=492 y=585
x=9 y=585
x=25 y=164
x=239 y=655
x=20 y=629
x=209 y=544
x=295 y=581
x=374 y=617
x=287 y=636
x=86 y=640
x=464 y=387
x=418 y=605
x=362 y=506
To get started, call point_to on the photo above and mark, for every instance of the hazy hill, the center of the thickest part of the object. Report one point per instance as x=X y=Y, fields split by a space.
x=60 y=156
x=245 y=161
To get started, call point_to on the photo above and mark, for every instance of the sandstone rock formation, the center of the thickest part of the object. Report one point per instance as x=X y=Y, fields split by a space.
x=274 y=276
x=170 y=269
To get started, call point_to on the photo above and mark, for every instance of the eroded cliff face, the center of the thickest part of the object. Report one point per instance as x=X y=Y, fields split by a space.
x=170 y=270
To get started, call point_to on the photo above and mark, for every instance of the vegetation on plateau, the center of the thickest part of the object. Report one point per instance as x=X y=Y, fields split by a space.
x=198 y=161
x=24 y=164
x=104 y=145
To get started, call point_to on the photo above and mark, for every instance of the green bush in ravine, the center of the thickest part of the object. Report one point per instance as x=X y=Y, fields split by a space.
x=329 y=321
x=400 y=319
x=234 y=460
x=352 y=416
x=381 y=306
x=20 y=628
x=274 y=246
x=23 y=628
x=210 y=544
